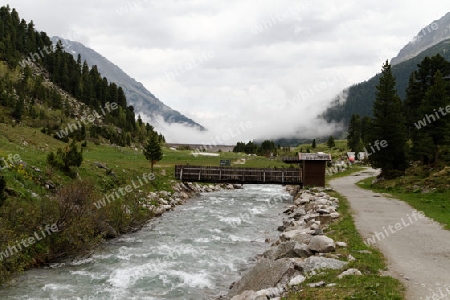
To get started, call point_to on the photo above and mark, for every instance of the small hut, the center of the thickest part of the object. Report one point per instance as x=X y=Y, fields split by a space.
x=313 y=167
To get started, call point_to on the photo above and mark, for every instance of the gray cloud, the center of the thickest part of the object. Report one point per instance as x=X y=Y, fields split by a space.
x=266 y=53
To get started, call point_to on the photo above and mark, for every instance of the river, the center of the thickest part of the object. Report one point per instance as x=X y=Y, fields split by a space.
x=193 y=252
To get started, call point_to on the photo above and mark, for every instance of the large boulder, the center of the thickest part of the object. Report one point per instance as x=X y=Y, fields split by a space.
x=321 y=244
x=301 y=250
x=264 y=275
x=293 y=234
x=313 y=263
x=283 y=250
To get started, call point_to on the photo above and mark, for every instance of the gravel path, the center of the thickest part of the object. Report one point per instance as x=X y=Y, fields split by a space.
x=417 y=249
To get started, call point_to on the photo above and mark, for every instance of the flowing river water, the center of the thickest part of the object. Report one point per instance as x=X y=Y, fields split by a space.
x=193 y=252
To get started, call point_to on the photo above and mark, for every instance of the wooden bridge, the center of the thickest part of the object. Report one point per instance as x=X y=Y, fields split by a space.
x=238 y=175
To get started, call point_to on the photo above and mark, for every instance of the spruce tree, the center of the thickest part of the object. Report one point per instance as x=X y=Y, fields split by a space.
x=420 y=82
x=437 y=131
x=388 y=124
x=153 y=150
x=19 y=109
x=366 y=124
x=330 y=142
x=354 y=134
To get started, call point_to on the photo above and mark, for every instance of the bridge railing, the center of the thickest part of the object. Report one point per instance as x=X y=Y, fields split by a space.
x=237 y=175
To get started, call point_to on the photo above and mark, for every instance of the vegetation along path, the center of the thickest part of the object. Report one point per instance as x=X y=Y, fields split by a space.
x=417 y=248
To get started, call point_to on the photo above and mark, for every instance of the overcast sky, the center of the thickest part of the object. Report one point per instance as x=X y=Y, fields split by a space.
x=249 y=68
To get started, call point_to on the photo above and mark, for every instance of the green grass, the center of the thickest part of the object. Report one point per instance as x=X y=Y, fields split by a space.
x=338 y=151
x=371 y=285
x=434 y=205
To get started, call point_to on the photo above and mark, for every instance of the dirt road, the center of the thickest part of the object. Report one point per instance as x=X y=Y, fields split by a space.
x=417 y=248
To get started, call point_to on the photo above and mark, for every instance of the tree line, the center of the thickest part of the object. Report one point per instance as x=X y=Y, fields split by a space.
x=359 y=98
x=416 y=129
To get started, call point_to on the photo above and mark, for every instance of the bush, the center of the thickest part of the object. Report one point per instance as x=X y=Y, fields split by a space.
x=77 y=220
x=64 y=159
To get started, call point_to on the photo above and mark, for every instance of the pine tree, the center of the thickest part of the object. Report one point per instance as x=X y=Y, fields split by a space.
x=420 y=82
x=313 y=145
x=354 y=134
x=366 y=124
x=330 y=142
x=19 y=109
x=388 y=124
x=433 y=108
x=153 y=150
x=72 y=157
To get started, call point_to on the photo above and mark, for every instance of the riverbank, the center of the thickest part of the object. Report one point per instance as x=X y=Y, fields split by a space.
x=318 y=255
x=193 y=252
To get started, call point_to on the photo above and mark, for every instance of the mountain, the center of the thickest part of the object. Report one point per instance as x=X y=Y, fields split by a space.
x=359 y=98
x=436 y=32
x=137 y=95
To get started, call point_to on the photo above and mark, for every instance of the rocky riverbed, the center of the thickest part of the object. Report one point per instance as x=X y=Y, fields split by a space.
x=162 y=201
x=301 y=250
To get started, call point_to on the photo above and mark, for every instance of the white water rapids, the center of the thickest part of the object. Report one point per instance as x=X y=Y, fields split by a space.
x=193 y=252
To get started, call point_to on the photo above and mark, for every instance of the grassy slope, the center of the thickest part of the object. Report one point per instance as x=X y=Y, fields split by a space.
x=338 y=151
x=434 y=204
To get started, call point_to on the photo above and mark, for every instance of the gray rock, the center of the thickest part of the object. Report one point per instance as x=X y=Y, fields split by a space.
x=335 y=215
x=297 y=280
x=100 y=165
x=302 y=238
x=350 y=272
x=162 y=201
x=318 y=232
x=318 y=262
x=270 y=293
x=302 y=250
x=291 y=234
x=311 y=216
x=341 y=244
x=321 y=201
x=283 y=250
x=246 y=295
x=317 y=284
x=331 y=284
x=265 y=274
x=323 y=211
x=321 y=244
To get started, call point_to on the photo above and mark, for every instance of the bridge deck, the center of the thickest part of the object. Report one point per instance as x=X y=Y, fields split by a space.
x=238 y=175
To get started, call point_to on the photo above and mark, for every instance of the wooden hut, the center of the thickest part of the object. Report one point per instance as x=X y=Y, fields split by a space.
x=313 y=167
